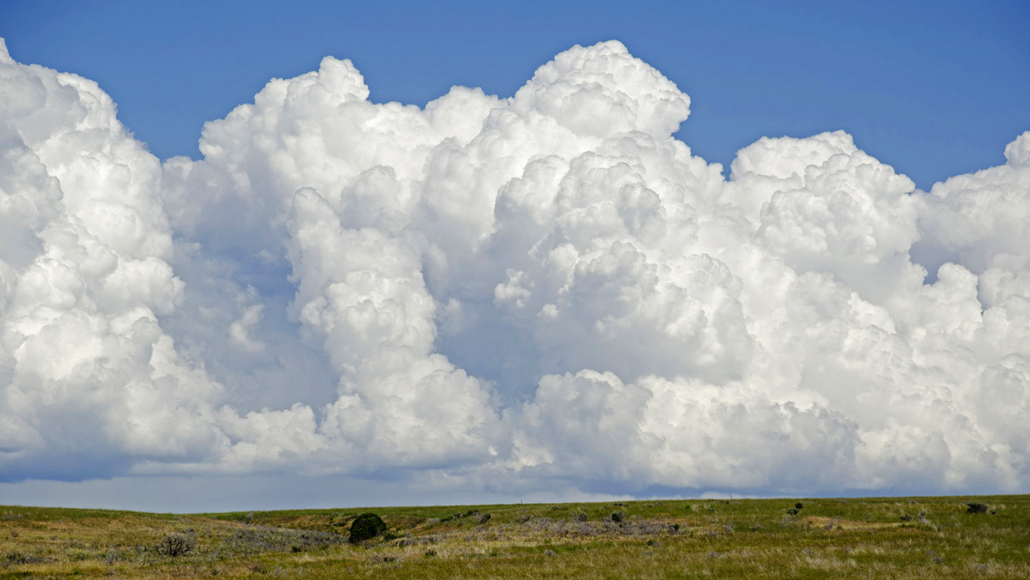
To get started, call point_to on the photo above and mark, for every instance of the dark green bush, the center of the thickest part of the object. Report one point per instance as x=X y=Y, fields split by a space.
x=366 y=527
x=977 y=508
x=618 y=516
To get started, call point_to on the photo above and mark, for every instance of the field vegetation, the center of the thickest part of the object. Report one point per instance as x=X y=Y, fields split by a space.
x=938 y=537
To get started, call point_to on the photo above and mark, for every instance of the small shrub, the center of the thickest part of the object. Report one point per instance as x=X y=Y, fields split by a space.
x=792 y=511
x=977 y=508
x=579 y=516
x=618 y=516
x=799 y=505
x=176 y=544
x=366 y=527
x=482 y=518
x=906 y=518
x=111 y=556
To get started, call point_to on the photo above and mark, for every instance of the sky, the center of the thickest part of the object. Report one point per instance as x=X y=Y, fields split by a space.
x=258 y=257
x=931 y=86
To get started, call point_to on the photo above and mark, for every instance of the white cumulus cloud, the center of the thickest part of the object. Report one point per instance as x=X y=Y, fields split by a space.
x=547 y=291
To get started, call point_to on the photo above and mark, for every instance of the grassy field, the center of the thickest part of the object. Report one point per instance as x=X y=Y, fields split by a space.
x=927 y=537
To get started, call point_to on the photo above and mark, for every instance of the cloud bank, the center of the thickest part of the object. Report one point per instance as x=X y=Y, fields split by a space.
x=536 y=292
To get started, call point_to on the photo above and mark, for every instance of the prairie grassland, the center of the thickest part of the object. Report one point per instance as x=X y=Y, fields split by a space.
x=825 y=538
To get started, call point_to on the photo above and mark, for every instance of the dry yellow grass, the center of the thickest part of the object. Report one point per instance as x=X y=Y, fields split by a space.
x=827 y=538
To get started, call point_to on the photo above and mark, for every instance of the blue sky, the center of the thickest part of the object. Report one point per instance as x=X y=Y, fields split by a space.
x=528 y=291
x=932 y=87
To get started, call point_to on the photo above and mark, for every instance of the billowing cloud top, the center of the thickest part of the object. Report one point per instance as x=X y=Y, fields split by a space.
x=542 y=290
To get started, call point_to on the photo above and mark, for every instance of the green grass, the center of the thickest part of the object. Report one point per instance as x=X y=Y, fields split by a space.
x=925 y=537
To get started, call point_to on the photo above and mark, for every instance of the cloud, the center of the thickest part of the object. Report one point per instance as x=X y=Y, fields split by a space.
x=87 y=369
x=546 y=291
